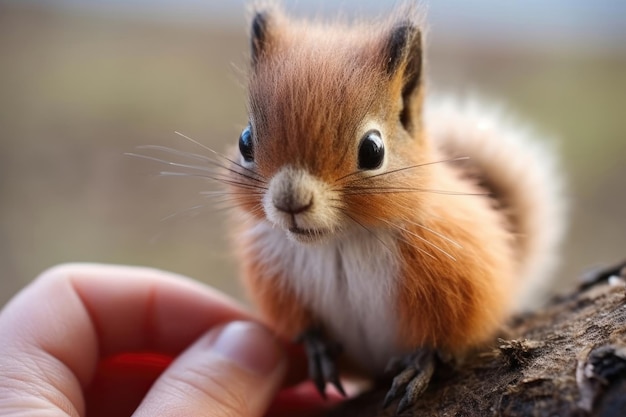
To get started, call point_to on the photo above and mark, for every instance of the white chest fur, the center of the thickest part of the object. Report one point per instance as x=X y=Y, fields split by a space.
x=348 y=284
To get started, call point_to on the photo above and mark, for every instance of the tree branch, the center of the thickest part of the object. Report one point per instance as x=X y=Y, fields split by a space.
x=567 y=359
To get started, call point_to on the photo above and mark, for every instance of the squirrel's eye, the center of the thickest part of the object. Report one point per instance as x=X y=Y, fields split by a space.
x=245 y=144
x=371 y=150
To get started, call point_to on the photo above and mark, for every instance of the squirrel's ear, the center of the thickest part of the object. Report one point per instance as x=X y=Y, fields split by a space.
x=259 y=35
x=404 y=60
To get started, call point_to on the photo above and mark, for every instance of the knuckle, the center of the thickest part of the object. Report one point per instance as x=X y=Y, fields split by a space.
x=58 y=272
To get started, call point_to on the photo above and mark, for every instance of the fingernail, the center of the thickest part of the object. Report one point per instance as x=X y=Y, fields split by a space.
x=250 y=346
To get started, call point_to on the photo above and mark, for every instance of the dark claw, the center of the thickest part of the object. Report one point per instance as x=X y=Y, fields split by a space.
x=398 y=385
x=416 y=387
x=316 y=374
x=329 y=370
x=402 y=406
x=412 y=381
x=321 y=358
x=337 y=384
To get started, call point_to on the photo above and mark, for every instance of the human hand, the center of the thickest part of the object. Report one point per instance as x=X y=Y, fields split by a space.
x=102 y=340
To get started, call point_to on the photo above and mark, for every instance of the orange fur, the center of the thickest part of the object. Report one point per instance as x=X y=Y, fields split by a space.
x=456 y=304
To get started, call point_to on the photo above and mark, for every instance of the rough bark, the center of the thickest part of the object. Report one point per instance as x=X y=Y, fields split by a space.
x=567 y=359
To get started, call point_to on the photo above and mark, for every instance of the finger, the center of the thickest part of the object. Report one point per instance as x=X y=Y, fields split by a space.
x=136 y=308
x=53 y=333
x=233 y=371
x=123 y=380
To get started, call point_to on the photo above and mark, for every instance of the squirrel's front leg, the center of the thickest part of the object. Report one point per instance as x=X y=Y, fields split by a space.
x=288 y=316
x=322 y=356
x=413 y=374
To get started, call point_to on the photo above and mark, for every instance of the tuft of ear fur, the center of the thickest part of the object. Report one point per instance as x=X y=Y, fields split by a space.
x=404 y=39
x=258 y=35
x=260 y=29
x=403 y=52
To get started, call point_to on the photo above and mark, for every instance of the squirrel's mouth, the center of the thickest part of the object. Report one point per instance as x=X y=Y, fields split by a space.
x=307 y=235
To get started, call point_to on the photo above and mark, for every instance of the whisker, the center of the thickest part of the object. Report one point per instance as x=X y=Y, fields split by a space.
x=221 y=155
x=183 y=211
x=231 y=196
x=188 y=166
x=222 y=206
x=257 y=208
x=460 y=158
x=241 y=174
x=422 y=251
x=260 y=181
x=428 y=242
x=226 y=193
x=213 y=178
x=176 y=152
x=166 y=162
x=455 y=243
x=347 y=176
x=368 y=230
x=239 y=184
x=223 y=199
x=195 y=142
x=396 y=190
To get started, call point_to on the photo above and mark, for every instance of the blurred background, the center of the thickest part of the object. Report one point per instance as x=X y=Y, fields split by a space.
x=84 y=81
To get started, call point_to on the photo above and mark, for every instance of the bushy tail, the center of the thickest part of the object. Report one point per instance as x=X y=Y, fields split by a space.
x=520 y=169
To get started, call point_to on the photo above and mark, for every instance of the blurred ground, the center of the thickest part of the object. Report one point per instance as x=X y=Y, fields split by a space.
x=77 y=91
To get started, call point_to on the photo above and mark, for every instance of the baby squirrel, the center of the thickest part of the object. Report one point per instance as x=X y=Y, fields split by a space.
x=372 y=224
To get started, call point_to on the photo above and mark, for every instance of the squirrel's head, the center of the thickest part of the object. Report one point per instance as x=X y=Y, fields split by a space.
x=335 y=114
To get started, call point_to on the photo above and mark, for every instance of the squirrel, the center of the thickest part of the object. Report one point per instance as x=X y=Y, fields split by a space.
x=372 y=222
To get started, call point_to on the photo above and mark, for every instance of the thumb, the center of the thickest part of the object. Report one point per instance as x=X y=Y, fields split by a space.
x=231 y=371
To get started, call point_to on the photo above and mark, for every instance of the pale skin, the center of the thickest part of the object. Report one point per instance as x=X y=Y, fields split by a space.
x=74 y=343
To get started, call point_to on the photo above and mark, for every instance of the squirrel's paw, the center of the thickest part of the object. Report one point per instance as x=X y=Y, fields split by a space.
x=413 y=374
x=322 y=355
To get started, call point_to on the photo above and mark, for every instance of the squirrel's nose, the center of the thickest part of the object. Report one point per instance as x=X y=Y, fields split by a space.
x=291 y=191
x=291 y=205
